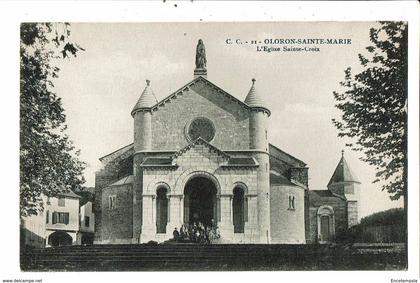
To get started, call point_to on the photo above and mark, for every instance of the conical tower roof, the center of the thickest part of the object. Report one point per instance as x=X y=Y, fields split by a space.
x=254 y=99
x=147 y=98
x=342 y=173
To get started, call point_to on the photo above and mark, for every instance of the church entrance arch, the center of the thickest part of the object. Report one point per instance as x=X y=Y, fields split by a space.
x=200 y=202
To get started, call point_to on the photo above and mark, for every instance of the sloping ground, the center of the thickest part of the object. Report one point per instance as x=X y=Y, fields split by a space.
x=183 y=257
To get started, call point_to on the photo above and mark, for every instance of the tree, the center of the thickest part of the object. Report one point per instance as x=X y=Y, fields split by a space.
x=374 y=107
x=48 y=160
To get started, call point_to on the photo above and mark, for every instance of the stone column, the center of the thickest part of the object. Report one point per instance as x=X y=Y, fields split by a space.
x=169 y=208
x=218 y=214
x=226 y=224
x=174 y=213
x=154 y=210
x=231 y=209
x=181 y=209
x=149 y=223
x=186 y=205
x=251 y=225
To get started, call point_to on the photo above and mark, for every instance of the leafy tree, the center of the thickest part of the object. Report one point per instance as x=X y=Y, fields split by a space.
x=393 y=216
x=374 y=103
x=48 y=160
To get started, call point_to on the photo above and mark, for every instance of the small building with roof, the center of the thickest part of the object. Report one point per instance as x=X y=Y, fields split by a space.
x=67 y=219
x=86 y=217
x=334 y=210
x=200 y=155
x=56 y=225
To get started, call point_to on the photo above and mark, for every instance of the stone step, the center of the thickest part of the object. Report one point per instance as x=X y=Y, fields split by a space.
x=202 y=257
x=153 y=264
x=237 y=252
x=172 y=248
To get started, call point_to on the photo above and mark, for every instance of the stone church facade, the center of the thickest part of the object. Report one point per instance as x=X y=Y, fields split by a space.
x=202 y=155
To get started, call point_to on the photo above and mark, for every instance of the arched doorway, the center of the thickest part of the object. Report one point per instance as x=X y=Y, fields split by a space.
x=60 y=238
x=326 y=226
x=200 y=203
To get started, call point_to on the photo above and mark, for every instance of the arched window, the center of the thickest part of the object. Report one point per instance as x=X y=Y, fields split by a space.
x=161 y=210
x=238 y=205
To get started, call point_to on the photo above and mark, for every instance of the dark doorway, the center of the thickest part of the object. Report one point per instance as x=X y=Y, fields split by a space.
x=200 y=201
x=325 y=228
x=87 y=240
x=60 y=238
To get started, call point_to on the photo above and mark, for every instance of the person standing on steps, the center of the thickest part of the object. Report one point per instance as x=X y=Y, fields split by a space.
x=176 y=235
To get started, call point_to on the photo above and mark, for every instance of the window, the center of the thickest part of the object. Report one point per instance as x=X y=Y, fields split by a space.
x=292 y=203
x=201 y=127
x=87 y=221
x=239 y=211
x=112 y=202
x=60 y=217
x=47 y=218
x=61 y=201
x=161 y=210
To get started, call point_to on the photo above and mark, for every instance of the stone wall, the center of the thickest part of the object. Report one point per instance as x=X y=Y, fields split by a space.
x=200 y=161
x=230 y=119
x=117 y=223
x=287 y=225
x=352 y=213
x=86 y=210
x=114 y=166
x=340 y=216
x=33 y=230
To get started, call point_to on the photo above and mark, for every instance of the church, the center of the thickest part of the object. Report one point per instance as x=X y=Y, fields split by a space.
x=202 y=155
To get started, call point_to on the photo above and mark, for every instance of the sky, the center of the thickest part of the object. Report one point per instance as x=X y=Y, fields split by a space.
x=101 y=85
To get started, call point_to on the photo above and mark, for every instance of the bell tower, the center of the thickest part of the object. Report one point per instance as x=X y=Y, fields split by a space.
x=344 y=183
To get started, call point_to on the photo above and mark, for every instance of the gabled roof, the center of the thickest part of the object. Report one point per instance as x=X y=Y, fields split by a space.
x=70 y=194
x=342 y=173
x=123 y=181
x=321 y=197
x=118 y=151
x=284 y=156
x=187 y=86
x=199 y=140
